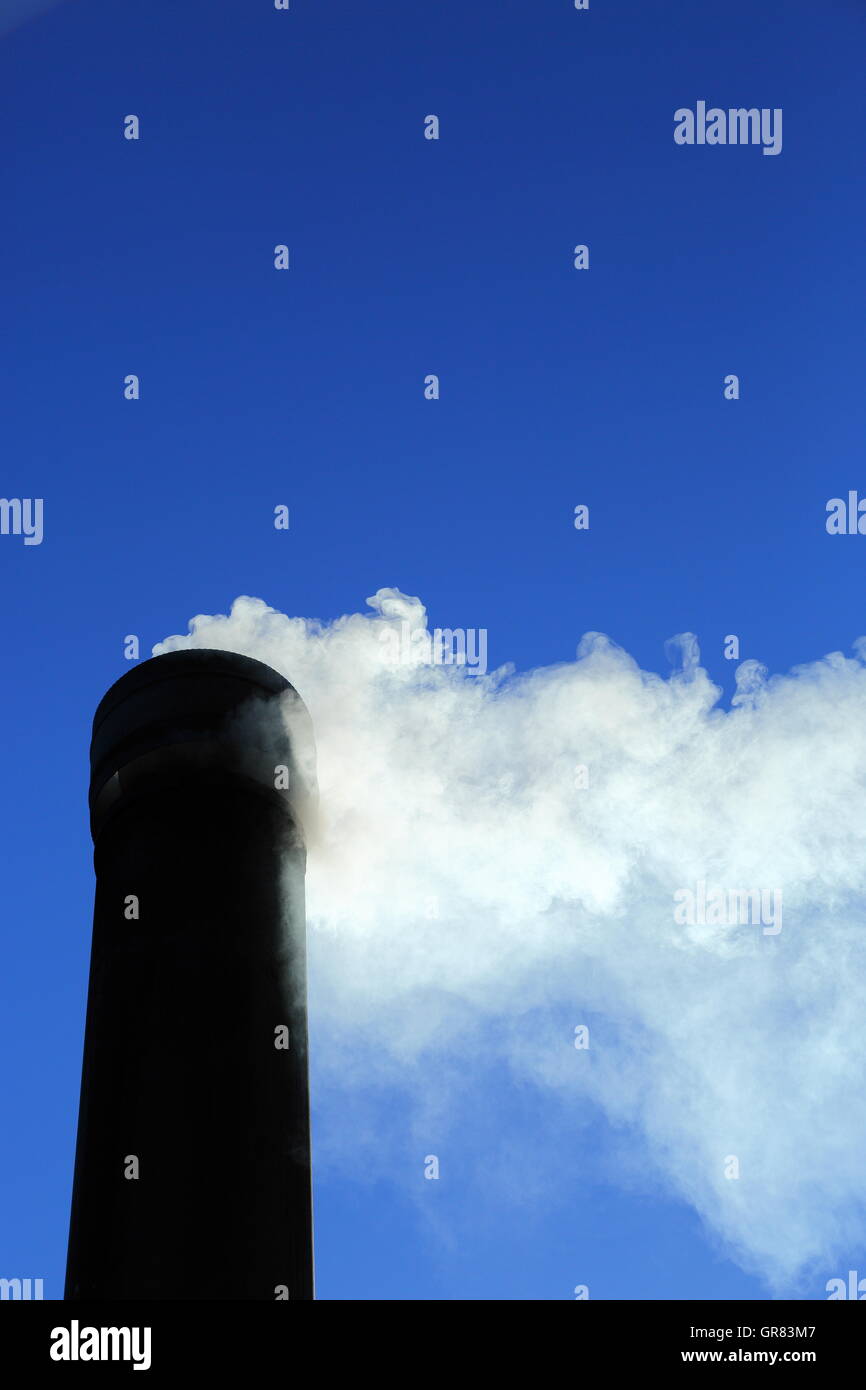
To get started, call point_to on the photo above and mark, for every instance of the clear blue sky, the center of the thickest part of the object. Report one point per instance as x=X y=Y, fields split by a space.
x=558 y=387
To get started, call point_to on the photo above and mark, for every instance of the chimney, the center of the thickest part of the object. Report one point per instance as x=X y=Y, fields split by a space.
x=192 y=1170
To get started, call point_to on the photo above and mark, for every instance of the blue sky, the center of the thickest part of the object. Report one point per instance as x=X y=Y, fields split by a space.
x=558 y=387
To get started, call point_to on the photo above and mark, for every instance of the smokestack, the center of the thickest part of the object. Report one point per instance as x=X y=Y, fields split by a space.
x=192 y=1170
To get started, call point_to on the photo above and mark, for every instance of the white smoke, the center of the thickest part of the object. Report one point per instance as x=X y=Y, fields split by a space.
x=462 y=879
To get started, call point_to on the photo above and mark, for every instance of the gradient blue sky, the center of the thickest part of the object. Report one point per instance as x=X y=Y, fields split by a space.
x=306 y=388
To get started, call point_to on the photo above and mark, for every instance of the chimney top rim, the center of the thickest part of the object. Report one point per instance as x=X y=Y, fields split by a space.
x=191 y=662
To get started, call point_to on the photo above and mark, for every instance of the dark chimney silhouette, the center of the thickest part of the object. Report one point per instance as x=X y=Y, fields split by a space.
x=192 y=1171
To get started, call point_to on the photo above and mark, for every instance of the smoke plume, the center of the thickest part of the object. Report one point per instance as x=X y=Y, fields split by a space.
x=494 y=854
